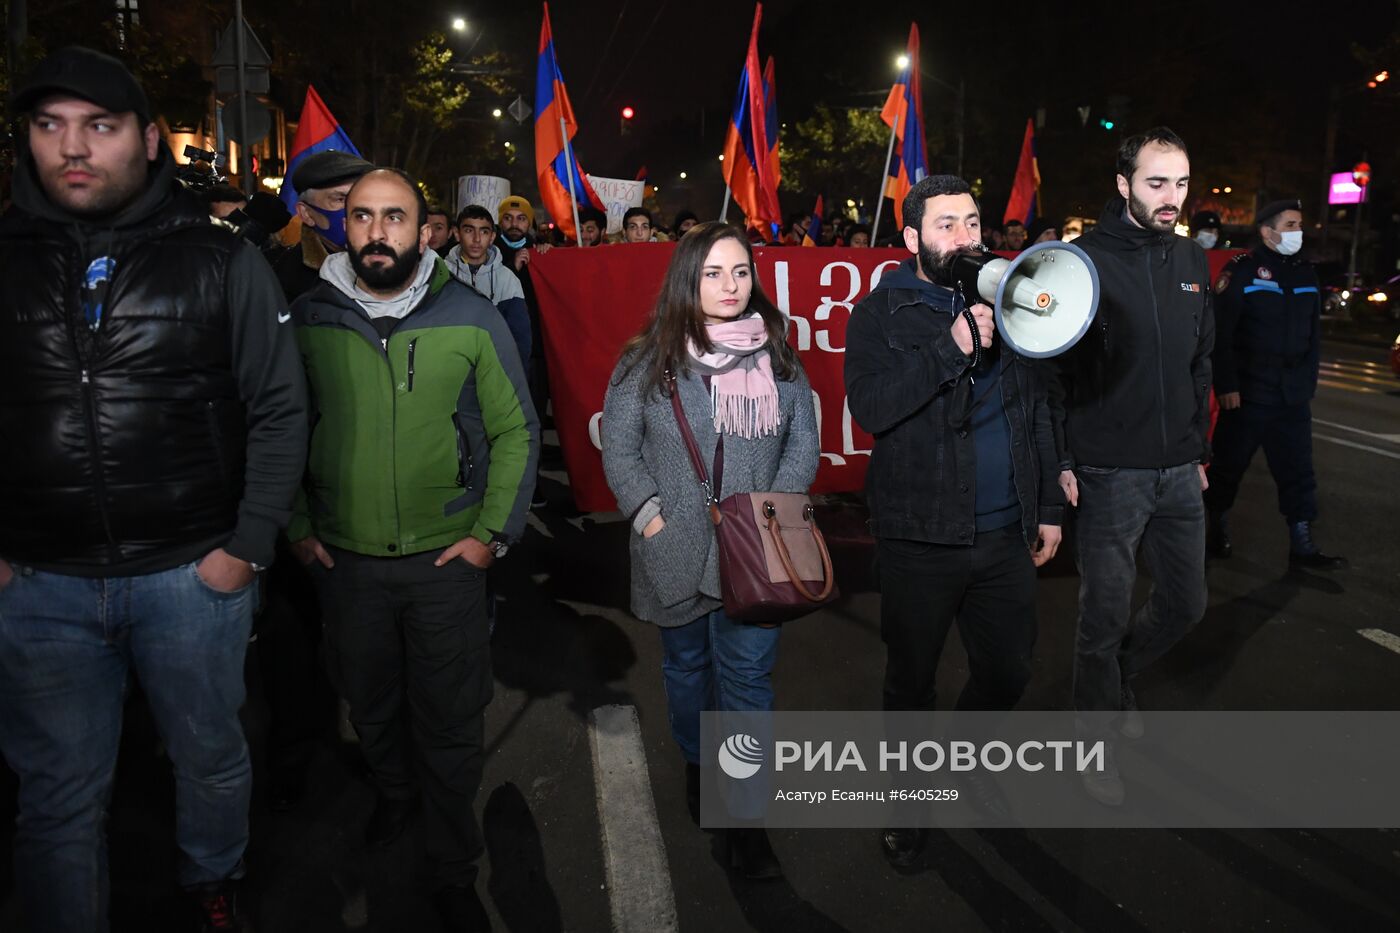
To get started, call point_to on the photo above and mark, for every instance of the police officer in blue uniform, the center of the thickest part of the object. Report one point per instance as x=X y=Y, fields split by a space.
x=1265 y=364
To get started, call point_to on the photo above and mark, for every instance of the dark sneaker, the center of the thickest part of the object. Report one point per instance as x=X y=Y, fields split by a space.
x=903 y=846
x=217 y=906
x=1130 y=722
x=1105 y=786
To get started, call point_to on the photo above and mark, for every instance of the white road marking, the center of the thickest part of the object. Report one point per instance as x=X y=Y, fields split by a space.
x=1381 y=637
x=1355 y=446
x=1392 y=438
x=639 y=881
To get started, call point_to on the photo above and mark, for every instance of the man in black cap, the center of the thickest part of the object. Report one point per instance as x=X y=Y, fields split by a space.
x=1205 y=230
x=321 y=182
x=1268 y=312
x=153 y=407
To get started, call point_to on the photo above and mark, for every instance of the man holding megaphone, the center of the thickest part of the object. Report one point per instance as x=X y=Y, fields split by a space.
x=1131 y=409
x=962 y=490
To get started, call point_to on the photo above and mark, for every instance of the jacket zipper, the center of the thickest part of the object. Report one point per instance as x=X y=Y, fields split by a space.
x=99 y=481
x=412 y=346
x=1161 y=348
x=217 y=436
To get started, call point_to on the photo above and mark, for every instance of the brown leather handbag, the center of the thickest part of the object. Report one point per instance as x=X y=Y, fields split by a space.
x=773 y=562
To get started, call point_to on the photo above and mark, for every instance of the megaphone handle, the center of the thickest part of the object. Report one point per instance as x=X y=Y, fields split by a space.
x=976 y=334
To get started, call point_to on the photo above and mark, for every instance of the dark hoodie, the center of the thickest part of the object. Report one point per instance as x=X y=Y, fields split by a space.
x=1134 y=392
x=956 y=451
x=177 y=438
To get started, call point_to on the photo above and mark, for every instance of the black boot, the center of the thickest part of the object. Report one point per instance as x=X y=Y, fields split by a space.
x=752 y=856
x=1303 y=552
x=1217 y=535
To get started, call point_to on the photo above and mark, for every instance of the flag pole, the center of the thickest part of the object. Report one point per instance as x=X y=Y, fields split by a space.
x=724 y=211
x=569 y=164
x=884 y=182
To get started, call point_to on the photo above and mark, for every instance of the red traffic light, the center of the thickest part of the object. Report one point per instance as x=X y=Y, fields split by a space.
x=1361 y=174
x=628 y=113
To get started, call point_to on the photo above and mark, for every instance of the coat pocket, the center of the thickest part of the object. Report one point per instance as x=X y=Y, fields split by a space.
x=666 y=565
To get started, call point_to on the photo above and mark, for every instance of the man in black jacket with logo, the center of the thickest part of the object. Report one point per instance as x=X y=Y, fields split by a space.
x=962 y=488
x=1266 y=363
x=152 y=435
x=1130 y=403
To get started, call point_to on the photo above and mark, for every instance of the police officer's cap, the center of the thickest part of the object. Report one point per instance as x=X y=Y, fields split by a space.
x=1205 y=220
x=1271 y=210
x=328 y=169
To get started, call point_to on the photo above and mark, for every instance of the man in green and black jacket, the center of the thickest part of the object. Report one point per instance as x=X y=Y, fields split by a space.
x=422 y=463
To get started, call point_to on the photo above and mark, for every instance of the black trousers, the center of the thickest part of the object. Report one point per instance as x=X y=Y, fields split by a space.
x=402 y=630
x=988 y=588
x=1285 y=433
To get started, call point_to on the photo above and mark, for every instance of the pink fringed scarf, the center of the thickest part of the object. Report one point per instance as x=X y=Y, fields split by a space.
x=743 y=390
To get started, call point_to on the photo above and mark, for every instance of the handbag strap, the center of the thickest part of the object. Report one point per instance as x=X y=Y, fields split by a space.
x=691 y=446
x=776 y=532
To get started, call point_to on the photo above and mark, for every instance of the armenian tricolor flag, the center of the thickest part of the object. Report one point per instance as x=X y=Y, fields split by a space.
x=317 y=131
x=555 y=161
x=904 y=113
x=813 y=236
x=750 y=149
x=1024 y=203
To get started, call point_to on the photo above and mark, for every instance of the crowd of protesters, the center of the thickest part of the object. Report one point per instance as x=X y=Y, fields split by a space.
x=367 y=407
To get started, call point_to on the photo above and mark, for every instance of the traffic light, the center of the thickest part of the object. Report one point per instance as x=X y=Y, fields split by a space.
x=628 y=113
x=1106 y=124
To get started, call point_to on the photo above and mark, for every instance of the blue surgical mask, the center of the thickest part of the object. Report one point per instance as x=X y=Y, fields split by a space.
x=514 y=244
x=336 y=232
x=1207 y=239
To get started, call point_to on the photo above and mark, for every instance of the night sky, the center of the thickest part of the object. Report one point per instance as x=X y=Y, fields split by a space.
x=1247 y=85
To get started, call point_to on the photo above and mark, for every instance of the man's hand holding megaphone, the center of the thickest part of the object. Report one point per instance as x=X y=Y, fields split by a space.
x=986 y=326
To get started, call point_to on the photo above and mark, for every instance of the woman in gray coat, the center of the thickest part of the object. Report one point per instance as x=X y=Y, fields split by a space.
x=749 y=406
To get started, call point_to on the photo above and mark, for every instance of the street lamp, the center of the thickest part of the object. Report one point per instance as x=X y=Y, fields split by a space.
x=902 y=62
x=683 y=176
x=496 y=113
x=459 y=24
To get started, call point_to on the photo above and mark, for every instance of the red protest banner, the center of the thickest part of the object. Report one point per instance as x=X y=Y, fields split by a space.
x=593 y=300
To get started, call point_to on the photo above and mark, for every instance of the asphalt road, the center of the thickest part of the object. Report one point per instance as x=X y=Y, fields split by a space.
x=565 y=645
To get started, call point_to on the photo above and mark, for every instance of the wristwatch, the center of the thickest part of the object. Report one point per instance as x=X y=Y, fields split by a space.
x=499 y=546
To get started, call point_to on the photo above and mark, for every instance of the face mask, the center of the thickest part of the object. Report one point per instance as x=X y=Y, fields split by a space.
x=1290 y=241
x=514 y=244
x=336 y=232
x=1207 y=239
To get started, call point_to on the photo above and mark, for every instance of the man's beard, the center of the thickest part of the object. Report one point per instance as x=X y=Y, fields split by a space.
x=95 y=202
x=1147 y=220
x=514 y=233
x=390 y=275
x=938 y=265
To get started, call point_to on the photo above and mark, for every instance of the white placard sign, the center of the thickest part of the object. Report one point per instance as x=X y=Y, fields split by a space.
x=487 y=190
x=618 y=195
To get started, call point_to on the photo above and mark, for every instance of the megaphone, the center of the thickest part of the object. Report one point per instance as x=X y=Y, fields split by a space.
x=1044 y=299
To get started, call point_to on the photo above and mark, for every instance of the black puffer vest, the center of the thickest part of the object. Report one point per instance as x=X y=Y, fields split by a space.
x=123 y=445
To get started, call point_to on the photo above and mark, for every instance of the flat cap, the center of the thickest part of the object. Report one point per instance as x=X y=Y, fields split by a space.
x=325 y=169
x=1274 y=208
x=1205 y=220
x=83 y=73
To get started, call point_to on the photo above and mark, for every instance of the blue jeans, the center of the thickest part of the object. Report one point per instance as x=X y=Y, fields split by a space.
x=67 y=645
x=1120 y=511
x=715 y=663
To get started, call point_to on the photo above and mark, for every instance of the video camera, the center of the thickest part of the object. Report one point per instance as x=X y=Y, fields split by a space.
x=204 y=170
